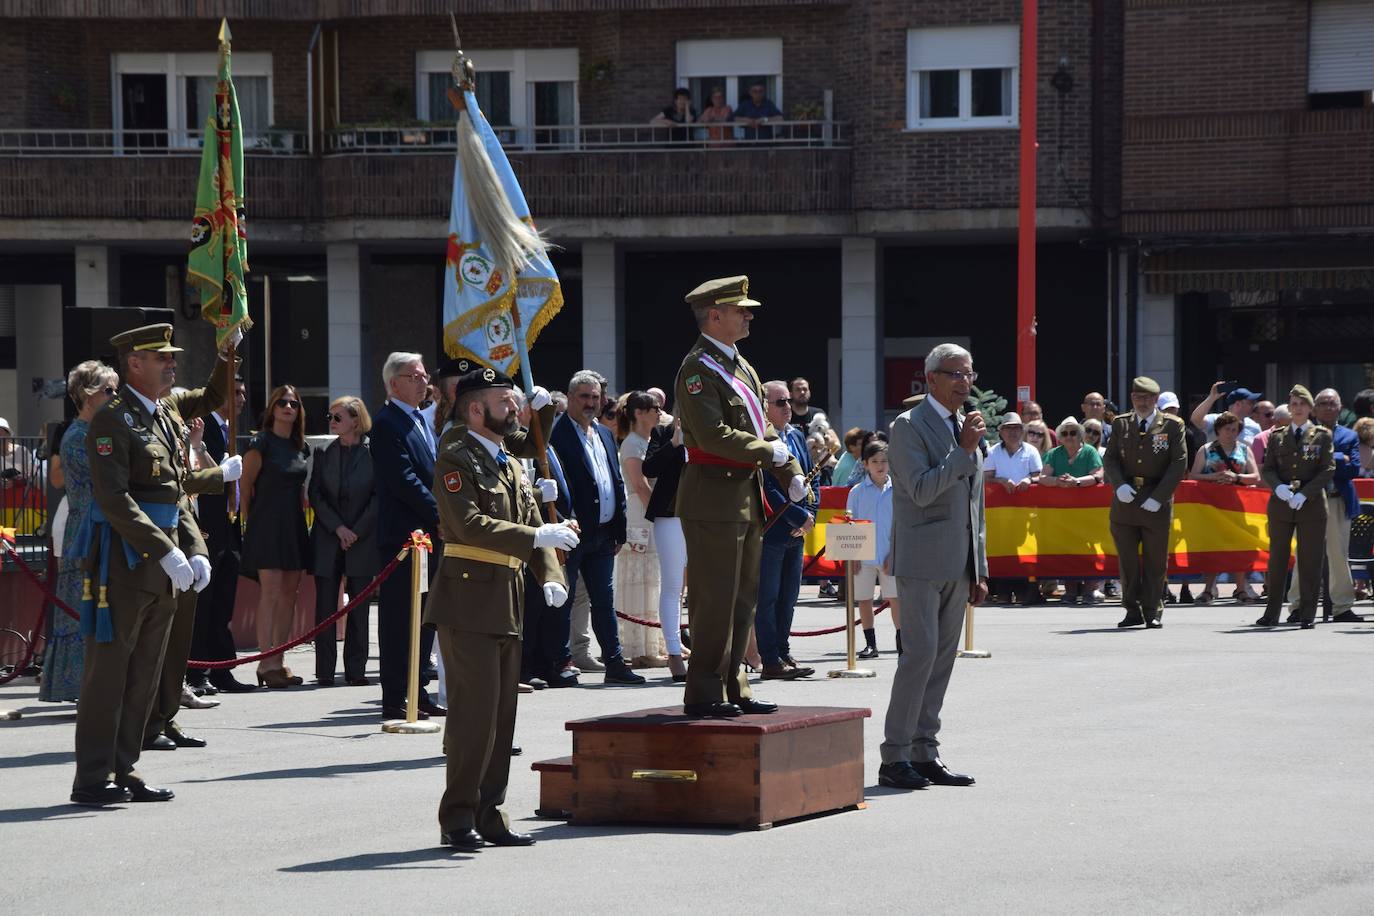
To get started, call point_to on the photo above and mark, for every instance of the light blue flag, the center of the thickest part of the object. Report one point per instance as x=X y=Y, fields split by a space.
x=478 y=298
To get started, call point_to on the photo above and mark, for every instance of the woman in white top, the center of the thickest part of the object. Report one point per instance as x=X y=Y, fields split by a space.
x=636 y=566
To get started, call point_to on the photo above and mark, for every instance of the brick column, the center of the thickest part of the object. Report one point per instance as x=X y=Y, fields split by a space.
x=861 y=341
x=602 y=312
x=345 y=264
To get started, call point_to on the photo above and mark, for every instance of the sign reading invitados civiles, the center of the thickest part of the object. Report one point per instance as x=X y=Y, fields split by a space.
x=856 y=540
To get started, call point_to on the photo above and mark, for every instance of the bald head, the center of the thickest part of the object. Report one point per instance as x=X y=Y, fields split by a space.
x=1327 y=407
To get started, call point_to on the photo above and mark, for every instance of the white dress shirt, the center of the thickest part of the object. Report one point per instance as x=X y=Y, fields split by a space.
x=601 y=470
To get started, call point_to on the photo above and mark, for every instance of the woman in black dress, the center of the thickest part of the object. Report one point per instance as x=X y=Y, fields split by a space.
x=275 y=543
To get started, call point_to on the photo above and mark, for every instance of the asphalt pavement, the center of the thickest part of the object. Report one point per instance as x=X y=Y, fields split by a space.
x=1203 y=768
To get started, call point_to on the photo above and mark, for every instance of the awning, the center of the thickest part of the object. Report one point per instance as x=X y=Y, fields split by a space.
x=1252 y=269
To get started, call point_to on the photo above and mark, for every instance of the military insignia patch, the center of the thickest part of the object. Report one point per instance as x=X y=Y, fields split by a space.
x=453 y=481
x=1161 y=442
x=104 y=446
x=129 y=419
x=694 y=384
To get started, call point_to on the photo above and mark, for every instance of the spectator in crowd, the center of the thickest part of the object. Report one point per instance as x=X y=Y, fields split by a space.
x=871 y=499
x=1263 y=414
x=587 y=451
x=755 y=110
x=580 y=614
x=403 y=449
x=1037 y=437
x=610 y=415
x=718 y=114
x=804 y=412
x=1032 y=413
x=1342 y=504
x=1363 y=404
x=1011 y=463
x=1225 y=460
x=1092 y=435
x=276 y=545
x=780 y=565
x=1239 y=401
x=679 y=112
x=661 y=399
x=636 y=566
x=850 y=465
x=1261 y=441
x=344 y=538
x=1364 y=429
x=1070 y=464
x=663 y=463
x=560 y=403
x=1095 y=408
x=1194 y=437
x=90 y=384
x=17 y=466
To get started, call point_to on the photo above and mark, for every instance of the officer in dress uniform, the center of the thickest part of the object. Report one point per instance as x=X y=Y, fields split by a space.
x=143 y=548
x=1145 y=460
x=730 y=443
x=1298 y=464
x=490 y=525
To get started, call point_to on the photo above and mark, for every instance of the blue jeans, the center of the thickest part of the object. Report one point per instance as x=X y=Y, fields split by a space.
x=592 y=564
x=780 y=574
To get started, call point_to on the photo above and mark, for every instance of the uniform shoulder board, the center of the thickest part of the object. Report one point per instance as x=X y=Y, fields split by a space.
x=1170 y=418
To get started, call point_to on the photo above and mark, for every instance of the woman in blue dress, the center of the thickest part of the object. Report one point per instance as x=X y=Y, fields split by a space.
x=89 y=385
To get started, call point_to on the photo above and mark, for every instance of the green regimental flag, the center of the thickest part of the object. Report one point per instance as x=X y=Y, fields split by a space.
x=218 y=263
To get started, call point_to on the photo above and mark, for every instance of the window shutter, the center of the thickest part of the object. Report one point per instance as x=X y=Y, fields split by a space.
x=1341 y=52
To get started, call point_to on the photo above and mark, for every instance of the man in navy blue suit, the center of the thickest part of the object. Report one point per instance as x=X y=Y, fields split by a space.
x=591 y=467
x=403 y=451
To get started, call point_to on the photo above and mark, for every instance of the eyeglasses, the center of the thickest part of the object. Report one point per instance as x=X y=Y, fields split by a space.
x=1092 y=433
x=289 y=402
x=1069 y=434
x=335 y=417
x=959 y=375
x=1034 y=435
x=421 y=377
x=782 y=402
x=110 y=390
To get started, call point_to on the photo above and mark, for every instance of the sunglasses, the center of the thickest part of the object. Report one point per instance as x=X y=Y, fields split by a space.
x=1069 y=434
x=782 y=402
x=109 y=390
x=335 y=417
x=1034 y=435
x=289 y=402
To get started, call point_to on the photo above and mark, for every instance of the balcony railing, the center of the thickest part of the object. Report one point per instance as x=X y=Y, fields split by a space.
x=564 y=138
x=62 y=142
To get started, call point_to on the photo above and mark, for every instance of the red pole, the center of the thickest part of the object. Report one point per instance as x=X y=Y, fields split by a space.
x=1025 y=221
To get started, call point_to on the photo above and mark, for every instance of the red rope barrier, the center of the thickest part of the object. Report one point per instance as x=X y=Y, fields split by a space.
x=826 y=632
x=33 y=646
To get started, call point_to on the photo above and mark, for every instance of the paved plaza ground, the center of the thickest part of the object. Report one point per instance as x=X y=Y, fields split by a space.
x=1202 y=768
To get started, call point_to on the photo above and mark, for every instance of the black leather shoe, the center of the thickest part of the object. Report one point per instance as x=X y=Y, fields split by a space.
x=359 y=681
x=1307 y=625
x=1130 y=621
x=719 y=710
x=901 y=775
x=325 y=681
x=751 y=706
x=1347 y=617
x=617 y=672
x=178 y=737
x=142 y=792
x=99 y=795
x=509 y=838
x=228 y=684
x=516 y=750
x=159 y=742
x=428 y=707
x=1267 y=622
x=1154 y=624
x=1295 y=617
x=781 y=673
x=467 y=840
x=205 y=690
x=564 y=678
x=399 y=712
x=939 y=774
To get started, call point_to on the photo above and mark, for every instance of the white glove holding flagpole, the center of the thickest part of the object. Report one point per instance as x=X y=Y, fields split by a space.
x=548 y=490
x=232 y=466
x=539 y=398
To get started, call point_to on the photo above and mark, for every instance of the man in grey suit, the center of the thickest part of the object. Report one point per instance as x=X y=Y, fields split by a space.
x=940 y=560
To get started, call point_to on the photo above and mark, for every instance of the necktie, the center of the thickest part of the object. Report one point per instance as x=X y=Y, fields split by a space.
x=1143 y=425
x=502 y=458
x=424 y=428
x=954 y=422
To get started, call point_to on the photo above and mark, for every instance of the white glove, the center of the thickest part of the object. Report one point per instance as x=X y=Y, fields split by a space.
x=201 y=566
x=1125 y=492
x=796 y=490
x=780 y=453
x=175 y=565
x=1150 y=505
x=554 y=594
x=548 y=490
x=1284 y=492
x=559 y=536
x=539 y=398
x=233 y=340
x=1297 y=500
x=232 y=466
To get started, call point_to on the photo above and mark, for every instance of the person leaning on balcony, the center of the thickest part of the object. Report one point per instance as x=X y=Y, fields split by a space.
x=679 y=112
x=718 y=113
x=755 y=110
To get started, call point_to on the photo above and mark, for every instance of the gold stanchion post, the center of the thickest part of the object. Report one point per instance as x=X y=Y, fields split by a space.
x=411 y=724
x=968 y=651
x=851 y=669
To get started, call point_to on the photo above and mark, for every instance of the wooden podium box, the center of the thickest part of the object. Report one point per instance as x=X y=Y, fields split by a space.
x=658 y=766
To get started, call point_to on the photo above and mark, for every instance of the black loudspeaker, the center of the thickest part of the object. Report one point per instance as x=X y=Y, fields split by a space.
x=86 y=332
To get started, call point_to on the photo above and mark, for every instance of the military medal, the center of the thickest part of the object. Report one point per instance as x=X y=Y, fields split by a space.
x=157 y=468
x=1161 y=442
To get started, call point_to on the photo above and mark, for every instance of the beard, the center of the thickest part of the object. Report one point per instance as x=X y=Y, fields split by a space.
x=500 y=427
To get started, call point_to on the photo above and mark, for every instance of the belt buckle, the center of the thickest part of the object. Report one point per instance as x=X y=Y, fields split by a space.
x=1138 y=482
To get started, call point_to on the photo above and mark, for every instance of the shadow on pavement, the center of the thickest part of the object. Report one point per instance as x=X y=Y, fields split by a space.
x=360 y=718
x=324 y=772
x=33 y=716
x=50 y=758
x=429 y=857
x=1111 y=629
x=62 y=812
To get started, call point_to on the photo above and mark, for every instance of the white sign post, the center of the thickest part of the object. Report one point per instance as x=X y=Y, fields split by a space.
x=852 y=541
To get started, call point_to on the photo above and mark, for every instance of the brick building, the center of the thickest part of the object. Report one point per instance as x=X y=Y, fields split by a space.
x=879 y=216
x=1248 y=191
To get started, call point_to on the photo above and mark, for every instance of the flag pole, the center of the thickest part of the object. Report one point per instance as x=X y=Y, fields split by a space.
x=231 y=352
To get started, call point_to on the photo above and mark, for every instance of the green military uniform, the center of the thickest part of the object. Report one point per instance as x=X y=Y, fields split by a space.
x=1303 y=461
x=1151 y=461
x=138 y=470
x=487 y=520
x=720 y=502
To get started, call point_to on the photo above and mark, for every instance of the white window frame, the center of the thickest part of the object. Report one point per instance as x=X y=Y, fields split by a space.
x=962 y=48
x=526 y=66
x=177 y=67
x=731 y=58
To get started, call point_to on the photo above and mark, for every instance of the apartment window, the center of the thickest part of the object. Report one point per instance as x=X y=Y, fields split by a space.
x=163 y=99
x=1340 y=59
x=736 y=64
x=520 y=88
x=962 y=77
